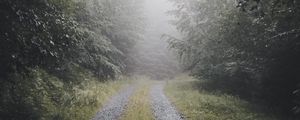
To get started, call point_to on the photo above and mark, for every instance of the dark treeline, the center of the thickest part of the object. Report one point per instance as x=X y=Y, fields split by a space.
x=250 y=48
x=49 y=46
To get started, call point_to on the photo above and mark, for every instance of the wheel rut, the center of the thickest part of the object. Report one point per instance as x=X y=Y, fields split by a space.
x=114 y=109
x=161 y=106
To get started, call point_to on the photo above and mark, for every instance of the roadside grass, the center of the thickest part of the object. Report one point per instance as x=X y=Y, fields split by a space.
x=139 y=107
x=198 y=104
x=43 y=96
x=89 y=99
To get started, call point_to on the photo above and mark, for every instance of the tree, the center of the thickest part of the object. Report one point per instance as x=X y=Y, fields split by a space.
x=250 y=51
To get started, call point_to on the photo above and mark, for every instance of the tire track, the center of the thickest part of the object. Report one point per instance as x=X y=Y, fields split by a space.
x=161 y=106
x=114 y=109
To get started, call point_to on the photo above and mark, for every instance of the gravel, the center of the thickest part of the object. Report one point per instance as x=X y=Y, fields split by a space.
x=114 y=109
x=161 y=106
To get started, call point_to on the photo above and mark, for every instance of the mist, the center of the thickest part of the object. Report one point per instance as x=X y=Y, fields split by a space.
x=149 y=59
x=155 y=58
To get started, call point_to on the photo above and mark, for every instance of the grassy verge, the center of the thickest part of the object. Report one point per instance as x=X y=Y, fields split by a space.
x=198 y=104
x=42 y=96
x=89 y=99
x=139 y=107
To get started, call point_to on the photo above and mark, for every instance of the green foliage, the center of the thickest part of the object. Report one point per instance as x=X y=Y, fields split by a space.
x=50 y=49
x=111 y=33
x=35 y=34
x=97 y=34
x=30 y=97
x=192 y=98
x=251 y=51
x=43 y=96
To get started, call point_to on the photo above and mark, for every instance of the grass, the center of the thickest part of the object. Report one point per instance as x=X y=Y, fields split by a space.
x=72 y=102
x=139 y=107
x=46 y=97
x=198 y=104
x=90 y=99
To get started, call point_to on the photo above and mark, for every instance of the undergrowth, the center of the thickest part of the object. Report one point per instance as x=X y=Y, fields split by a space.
x=198 y=104
x=40 y=95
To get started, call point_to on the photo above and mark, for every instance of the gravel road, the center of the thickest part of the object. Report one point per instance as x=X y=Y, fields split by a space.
x=161 y=106
x=113 y=110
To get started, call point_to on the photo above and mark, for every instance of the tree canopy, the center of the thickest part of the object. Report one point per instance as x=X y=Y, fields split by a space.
x=246 y=47
x=47 y=46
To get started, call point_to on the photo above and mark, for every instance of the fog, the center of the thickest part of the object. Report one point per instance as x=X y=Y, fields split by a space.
x=242 y=59
x=154 y=56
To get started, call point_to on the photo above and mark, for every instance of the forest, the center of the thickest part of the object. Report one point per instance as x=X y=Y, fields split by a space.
x=249 y=48
x=64 y=59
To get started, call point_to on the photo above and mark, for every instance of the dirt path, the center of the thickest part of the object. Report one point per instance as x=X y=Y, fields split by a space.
x=160 y=105
x=162 y=108
x=114 y=109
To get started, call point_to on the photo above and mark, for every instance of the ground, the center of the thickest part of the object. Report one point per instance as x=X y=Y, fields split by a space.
x=176 y=100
